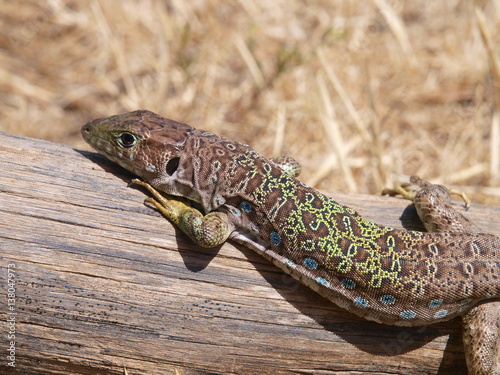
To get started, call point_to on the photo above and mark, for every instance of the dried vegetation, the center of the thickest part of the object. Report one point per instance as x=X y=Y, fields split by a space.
x=361 y=93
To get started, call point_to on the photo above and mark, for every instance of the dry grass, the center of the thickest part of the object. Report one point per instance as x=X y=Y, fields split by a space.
x=361 y=93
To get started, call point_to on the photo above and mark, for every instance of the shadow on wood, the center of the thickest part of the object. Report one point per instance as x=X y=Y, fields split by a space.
x=103 y=283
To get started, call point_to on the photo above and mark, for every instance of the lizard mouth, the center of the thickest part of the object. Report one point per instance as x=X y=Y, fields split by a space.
x=91 y=136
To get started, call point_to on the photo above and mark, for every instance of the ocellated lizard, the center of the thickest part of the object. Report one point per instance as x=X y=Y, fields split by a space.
x=390 y=276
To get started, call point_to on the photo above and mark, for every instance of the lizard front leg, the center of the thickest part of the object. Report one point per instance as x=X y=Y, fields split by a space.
x=205 y=230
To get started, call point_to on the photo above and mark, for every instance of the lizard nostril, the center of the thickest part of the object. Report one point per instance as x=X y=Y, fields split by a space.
x=172 y=165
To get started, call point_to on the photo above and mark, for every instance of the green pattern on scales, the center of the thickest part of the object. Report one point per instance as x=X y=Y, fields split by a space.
x=308 y=222
x=215 y=189
x=338 y=253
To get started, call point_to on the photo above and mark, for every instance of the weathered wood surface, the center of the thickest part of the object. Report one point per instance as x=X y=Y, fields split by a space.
x=103 y=283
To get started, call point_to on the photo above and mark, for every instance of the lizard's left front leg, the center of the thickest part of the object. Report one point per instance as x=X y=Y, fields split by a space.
x=205 y=230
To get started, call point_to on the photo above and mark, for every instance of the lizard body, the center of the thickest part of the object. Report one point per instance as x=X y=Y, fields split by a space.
x=390 y=276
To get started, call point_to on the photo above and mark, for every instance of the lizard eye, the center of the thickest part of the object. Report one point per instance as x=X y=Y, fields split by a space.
x=127 y=140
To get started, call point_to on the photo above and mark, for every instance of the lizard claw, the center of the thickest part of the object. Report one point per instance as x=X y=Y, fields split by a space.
x=135 y=181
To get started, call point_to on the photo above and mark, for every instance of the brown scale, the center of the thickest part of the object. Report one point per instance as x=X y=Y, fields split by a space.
x=434 y=276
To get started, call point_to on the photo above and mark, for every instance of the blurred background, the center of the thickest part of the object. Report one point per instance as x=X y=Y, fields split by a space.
x=361 y=93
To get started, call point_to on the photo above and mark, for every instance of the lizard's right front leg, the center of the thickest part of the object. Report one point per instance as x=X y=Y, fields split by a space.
x=205 y=230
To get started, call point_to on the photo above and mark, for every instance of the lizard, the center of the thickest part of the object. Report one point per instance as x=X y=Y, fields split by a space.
x=215 y=189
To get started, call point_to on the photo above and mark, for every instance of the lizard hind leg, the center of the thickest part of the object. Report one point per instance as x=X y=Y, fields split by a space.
x=433 y=205
x=481 y=336
x=481 y=324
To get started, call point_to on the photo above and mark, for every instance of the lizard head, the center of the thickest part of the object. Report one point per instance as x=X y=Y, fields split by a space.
x=142 y=142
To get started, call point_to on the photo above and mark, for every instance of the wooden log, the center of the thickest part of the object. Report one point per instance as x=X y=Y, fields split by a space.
x=95 y=282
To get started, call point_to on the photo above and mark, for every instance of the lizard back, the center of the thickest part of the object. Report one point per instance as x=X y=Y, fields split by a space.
x=390 y=276
x=379 y=273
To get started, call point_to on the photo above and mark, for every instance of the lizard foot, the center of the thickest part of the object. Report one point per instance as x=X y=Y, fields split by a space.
x=433 y=205
x=409 y=190
x=208 y=230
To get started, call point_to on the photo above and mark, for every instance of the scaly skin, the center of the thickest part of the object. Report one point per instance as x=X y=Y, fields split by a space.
x=389 y=276
x=481 y=332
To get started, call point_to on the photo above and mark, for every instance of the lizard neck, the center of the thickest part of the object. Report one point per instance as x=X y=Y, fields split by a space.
x=208 y=172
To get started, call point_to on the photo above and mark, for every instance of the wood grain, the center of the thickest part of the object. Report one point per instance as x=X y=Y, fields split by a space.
x=103 y=283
